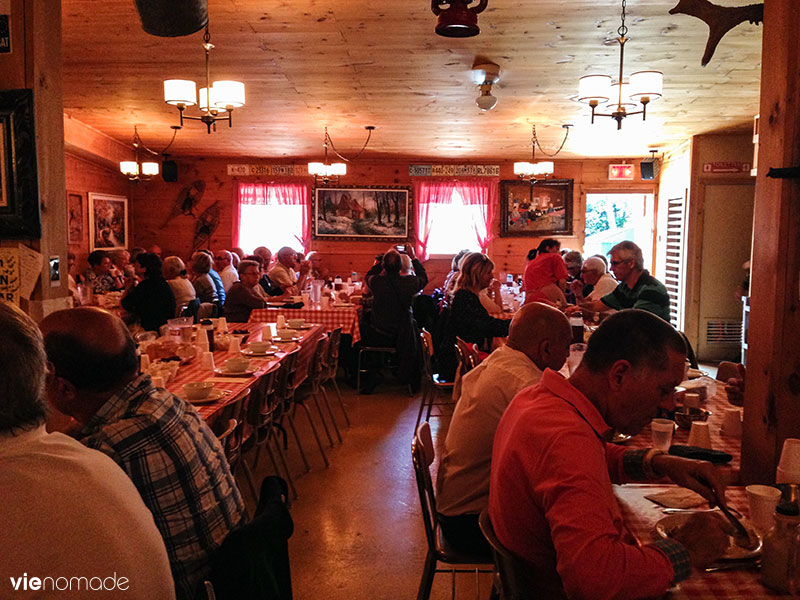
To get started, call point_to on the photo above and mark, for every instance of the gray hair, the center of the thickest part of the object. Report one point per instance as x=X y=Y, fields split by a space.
x=23 y=365
x=245 y=264
x=595 y=263
x=173 y=267
x=201 y=262
x=631 y=250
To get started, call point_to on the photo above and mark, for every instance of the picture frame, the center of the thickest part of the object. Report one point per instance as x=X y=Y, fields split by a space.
x=539 y=209
x=108 y=222
x=20 y=210
x=75 y=219
x=370 y=213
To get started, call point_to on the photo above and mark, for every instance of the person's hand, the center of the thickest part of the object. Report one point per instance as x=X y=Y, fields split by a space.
x=410 y=251
x=577 y=288
x=705 y=537
x=697 y=475
x=305 y=267
x=495 y=285
x=734 y=387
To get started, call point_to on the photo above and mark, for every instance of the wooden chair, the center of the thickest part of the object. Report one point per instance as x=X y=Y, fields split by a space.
x=468 y=355
x=512 y=572
x=726 y=370
x=431 y=384
x=439 y=550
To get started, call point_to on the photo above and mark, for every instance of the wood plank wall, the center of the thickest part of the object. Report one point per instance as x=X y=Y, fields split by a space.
x=153 y=201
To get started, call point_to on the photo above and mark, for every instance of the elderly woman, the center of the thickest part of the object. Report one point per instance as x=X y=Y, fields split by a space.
x=175 y=273
x=151 y=300
x=204 y=286
x=468 y=318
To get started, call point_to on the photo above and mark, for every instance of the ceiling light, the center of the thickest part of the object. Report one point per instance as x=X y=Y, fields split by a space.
x=533 y=171
x=137 y=170
x=486 y=75
x=459 y=19
x=225 y=95
x=325 y=171
x=644 y=86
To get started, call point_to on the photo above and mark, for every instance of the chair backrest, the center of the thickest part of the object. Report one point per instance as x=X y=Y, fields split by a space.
x=229 y=429
x=422 y=455
x=427 y=353
x=332 y=359
x=515 y=582
x=260 y=409
x=726 y=370
x=468 y=355
x=287 y=376
x=316 y=368
x=207 y=310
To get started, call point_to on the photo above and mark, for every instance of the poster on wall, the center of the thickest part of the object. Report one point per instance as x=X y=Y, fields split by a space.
x=75 y=217
x=108 y=222
x=361 y=213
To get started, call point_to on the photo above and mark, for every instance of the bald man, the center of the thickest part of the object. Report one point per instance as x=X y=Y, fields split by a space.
x=538 y=338
x=163 y=445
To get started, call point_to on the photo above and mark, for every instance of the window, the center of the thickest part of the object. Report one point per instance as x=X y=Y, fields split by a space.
x=613 y=218
x=453 y=226
x=272 y=215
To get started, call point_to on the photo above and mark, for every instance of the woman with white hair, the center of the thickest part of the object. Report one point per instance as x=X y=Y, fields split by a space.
x=175 y=273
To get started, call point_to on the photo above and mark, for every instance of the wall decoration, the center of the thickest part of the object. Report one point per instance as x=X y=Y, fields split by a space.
x=278 y=170
x=536 y=209
x=75 y=217
x=206 y=225
x=361 y=213
x=454 y=170
x=187 y=200
x=19 y=191
x=108 y=222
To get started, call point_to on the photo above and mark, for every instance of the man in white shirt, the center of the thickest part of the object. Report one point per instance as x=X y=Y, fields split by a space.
x=593 y=272
x=538 y=338
x=223 y=265
x=72 y=520
x=283 y=272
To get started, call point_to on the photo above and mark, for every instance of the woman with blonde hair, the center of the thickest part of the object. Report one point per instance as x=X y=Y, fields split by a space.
x=175 y=273
x=468 y=318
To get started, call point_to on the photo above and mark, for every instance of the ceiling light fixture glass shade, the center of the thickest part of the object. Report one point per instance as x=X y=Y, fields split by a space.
x=621 y=99
x=226 y=95
x=595 y=88
x=532 y=170
x=486 y=101
x=646 y=84
x=129 y=168
x=137 y=170
x=319 y=169
x=485 y=76
x=150 y=169
x=325 y=171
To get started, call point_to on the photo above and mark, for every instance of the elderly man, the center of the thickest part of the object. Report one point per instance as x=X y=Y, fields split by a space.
x=223 y=265
x=593 y=274
x=67 y=510
x=637 y=288
x=538 y=338
x=551 y=500
x=244 y=296
x=283 y=273
x=167 y=450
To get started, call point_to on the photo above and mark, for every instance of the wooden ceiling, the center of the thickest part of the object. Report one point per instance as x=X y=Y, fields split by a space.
x=344 y=64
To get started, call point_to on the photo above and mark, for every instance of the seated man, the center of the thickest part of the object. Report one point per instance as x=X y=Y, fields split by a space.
x=283 y=273
x=223 y=264
x=538 y=338
x=594 y=275
x=167 y=450
x=637 y=288
x=67 y=510
x=551 y=500
x=243 y=296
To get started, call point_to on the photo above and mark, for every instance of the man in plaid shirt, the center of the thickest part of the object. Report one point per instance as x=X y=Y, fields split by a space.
x=167 y=450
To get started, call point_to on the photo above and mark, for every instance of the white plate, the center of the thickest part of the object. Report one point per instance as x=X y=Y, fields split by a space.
x=277 y=340
x=667 y=525
x=248 y=352
x=225 y=373
x=215 y=395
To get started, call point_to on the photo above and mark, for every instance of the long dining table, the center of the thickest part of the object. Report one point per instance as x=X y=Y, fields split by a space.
x=345 y=316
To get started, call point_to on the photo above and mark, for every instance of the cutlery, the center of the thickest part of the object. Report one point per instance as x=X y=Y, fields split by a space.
x=731 y=566
x=678 y=511
x=742 y=537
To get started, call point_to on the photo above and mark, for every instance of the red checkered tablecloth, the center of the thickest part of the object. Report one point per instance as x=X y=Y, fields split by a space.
x=641 y=515
x=329 y=318
x=236 y=386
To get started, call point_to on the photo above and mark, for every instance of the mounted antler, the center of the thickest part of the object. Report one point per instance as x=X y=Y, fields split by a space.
x=720 y=19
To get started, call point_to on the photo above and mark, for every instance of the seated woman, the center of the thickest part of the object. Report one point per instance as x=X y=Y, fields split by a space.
x=151 y=300
x=175 y=273
x=545 y=277
x=468 y=319
x=449 y=286
x=244 y=295
x=203 y=284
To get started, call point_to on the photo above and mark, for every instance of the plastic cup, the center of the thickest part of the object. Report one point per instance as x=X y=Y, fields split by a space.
x=691 y=399
x=222 y=324
x=790 y=455
x=306 y=298
x=186 y=334
x=281 y=321
x=762 y=500
x=700 y=435
x=144 y=362
x=732 y=422
x=207 y=361
x=661 y=431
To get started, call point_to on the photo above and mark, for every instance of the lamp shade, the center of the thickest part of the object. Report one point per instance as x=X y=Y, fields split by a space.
x=180 y=92
x=327 y=170
x=523 y=169
x=624 y=100
x=129 y=168
x=203 y=95
x=337 y=169
x=486 y=101
x=149 y=169
x=646 y=84
x=594 y=88
x=316 y=168
x=544 y=167
x=227 y=94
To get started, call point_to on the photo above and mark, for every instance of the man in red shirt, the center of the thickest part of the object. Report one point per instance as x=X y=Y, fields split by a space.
x=551 y=500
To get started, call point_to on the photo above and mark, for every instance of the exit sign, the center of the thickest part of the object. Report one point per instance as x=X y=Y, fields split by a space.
x=620 y=172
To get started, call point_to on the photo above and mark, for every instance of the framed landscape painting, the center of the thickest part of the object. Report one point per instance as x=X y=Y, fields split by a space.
x=108 y=222
x=540 y=209
x=361 y=213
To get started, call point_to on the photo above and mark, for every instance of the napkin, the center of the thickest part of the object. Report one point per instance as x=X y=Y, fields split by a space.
x=677 y=498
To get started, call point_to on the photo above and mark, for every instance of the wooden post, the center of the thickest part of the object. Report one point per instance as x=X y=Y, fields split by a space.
x=772 y=397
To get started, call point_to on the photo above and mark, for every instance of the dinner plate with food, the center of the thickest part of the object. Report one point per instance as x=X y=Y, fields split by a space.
x=666 y=527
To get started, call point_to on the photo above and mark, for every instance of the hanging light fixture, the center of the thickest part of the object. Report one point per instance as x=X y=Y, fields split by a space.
x=486 y=75
x=644 y=87
x=325 y=171
x=459 y=19
x=137 y=170
x=223 y=97
x=534 y=171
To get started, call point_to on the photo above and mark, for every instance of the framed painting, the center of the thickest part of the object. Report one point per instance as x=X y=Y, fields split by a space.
x=536 y=210
x=108 y=222
x=361 y=213
x=75 y=217
x=20 y=214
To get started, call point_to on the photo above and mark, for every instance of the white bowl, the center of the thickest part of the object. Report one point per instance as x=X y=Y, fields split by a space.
x=198 y=390
x=259 y=347
x=237 y=365
x=296 y=322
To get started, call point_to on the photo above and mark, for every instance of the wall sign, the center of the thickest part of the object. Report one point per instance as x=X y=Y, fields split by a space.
x=255 y=170
x=726 y=167
x=5 y=27
x=454 y=170
x=620 y=172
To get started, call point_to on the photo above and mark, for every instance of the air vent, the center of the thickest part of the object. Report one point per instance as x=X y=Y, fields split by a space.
x=724 y=332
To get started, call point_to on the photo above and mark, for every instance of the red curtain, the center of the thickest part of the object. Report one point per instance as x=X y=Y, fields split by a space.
x=481 y=193
x=436 y=191
x=279 y=194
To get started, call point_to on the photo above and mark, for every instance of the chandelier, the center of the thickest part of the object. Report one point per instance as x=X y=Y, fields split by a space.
x=215 y=99
x=643 y=87
x=533 y=171
x=325 y=171
x=142 y=170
